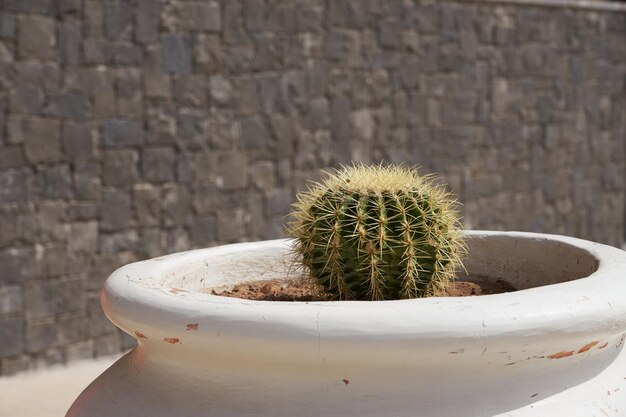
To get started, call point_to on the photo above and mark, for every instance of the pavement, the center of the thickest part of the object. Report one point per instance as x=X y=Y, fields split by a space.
x=48 y=392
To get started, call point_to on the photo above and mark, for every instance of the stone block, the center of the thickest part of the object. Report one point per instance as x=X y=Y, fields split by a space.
x=39 y=299
x=161 y=123
x=221 y=90
x=176 y=53
x=114 y=243
x=10 y=299
x=70 y=39
x=278 y=202
x=203 y=16
x=94 y=18
x=246 y=101
x=87 y=183
x=27 y=100
x=254 y=15
x=146 y=204
x=238 y=59
x=108 y=345
x=175 y=205
x=51 y=220
x=8 y=23
x=231 y=225
x=282 y=17
x=120 y=132
x=79 y=141
x=150 y=245
x=343 y=47
x=36 y=38
x=233 y=31
x=255 y=134
x=363 y=124
x=340 y=119
x=83 y=211
x=316 y=70
x=83 y=237
x=204 y=198
x=67 y=105
x=158 y=164
x=11 y=336
x=283 y=131
x=147 y=17
x=156 y=84
x=102 y=94
x=72 y=328
x=295 y=90
x=16 y=185
x=203 y=230
x=190 y=90
x=224 y=129
x=96 y=51
x=40 y=335
x=117 y=20
x=116 y=210
x=274 y=228
x=231 y=173
x=55 y=181
x=41 y=140
x=80 y=350
x=184 y=168
x=17 y=265
x=30 y=6
x=310 y=17
x=70 y=295
x=177 y=239
x=193 y=129
x=208 y=53
x=271 y=94
x=14 y=130
x=263 y=175
x=69 y=7
x=119 y=167
x=319 y=113
x=98 y=322
x=51 y=260
x=347 y=13
x=12 y=157
x=390 y=34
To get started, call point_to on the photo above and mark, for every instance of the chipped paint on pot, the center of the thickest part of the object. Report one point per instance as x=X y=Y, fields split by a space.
x=553 y=348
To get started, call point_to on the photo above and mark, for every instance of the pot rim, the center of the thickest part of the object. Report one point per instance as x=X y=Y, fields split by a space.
x=134 y=297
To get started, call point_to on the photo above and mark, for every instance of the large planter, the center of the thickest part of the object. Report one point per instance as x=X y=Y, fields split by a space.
x=554 y=348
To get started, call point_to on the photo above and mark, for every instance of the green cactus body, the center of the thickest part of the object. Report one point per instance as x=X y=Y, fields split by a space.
x=377 y=233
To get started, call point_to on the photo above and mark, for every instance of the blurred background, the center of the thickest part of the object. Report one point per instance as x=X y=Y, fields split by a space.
x=131 y=129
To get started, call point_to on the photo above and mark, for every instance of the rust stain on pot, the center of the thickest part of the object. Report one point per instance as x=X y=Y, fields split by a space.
x=454 y=352
x=177 y=290
x=172 y=340
x=192 y=326
x=140 y=335
x=346 y=381
x=603 y=346
x=588 y=346
x=562 y=354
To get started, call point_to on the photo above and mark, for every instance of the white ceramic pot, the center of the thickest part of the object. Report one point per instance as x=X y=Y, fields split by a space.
x=546 y=350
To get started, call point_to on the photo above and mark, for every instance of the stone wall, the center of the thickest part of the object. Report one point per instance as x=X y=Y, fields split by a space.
x=130 y=129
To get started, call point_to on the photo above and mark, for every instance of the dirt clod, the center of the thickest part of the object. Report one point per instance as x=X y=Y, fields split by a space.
x=297 y=290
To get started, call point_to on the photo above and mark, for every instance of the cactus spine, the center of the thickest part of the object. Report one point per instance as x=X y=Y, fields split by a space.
x=377 y=233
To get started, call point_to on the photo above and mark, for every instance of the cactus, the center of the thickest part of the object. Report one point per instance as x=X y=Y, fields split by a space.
x=377 y=233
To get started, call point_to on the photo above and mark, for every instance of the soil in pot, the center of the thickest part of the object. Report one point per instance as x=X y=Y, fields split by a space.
x=297 y=290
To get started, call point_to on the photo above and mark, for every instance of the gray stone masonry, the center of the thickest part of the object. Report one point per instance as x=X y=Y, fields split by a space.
x=131 y=129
